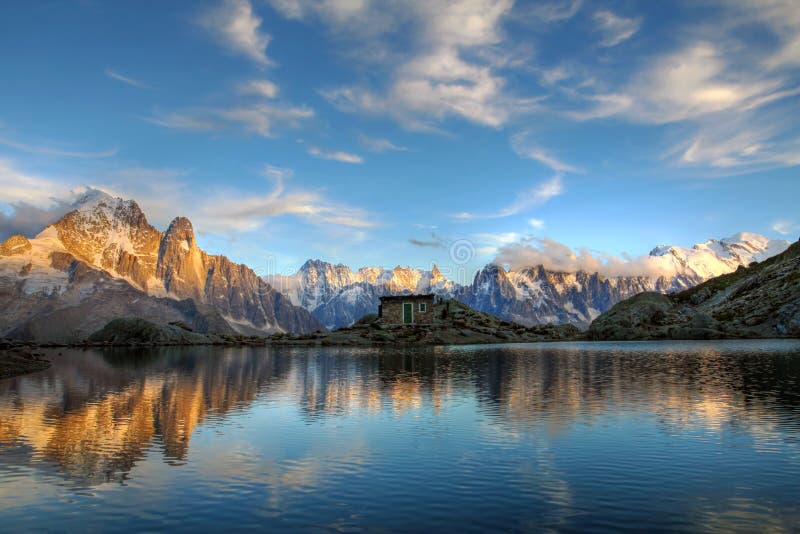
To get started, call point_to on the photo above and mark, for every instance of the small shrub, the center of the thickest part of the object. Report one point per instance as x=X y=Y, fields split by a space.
x=368 y=319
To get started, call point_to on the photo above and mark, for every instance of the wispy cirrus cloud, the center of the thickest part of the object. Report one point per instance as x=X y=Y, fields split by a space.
x=694 y=82
x=263 y=88
x=262 y=118
x=53 y=151
x=237 y=27
x=525 y=146
x=614 y=28
x=335 y=155
x=455 y=70
x=524 y=201
x=740 y=144
x=786 y=227
x=377 y=144
x=726 y=97
x=164 y=193
x=114 y=75
x=239 y=212
x=186 y=120
x=546 y=13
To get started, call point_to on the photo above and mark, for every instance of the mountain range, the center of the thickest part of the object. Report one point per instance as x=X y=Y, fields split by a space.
x=103 y=260
x=338 y=296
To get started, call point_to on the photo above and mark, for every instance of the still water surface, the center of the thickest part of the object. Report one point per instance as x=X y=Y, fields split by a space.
x=657 y=436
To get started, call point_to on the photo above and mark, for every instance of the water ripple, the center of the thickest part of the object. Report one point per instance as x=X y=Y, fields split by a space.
x=609 y=436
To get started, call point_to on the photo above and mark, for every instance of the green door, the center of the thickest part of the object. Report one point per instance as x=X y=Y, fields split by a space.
x=408 y=312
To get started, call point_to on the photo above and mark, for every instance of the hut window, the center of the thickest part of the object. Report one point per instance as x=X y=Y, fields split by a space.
x=422 y=307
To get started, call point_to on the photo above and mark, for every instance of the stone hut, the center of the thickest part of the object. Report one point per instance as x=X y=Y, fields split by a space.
x=406 y=309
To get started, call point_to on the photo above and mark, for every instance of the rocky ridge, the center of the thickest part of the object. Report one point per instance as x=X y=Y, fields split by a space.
x=759 y=301
x=122 y=263
x=535 y=295
x=455 y=324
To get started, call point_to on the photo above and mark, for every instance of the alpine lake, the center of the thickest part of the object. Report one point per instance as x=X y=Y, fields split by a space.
x=636 y=436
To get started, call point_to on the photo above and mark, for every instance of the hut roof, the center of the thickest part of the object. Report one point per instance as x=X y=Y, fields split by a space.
x=407 y=297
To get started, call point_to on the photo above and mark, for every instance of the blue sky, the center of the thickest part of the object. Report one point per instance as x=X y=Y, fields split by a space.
x=388 y=132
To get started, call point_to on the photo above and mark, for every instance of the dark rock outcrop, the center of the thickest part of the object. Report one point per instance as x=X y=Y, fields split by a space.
x=19 y=359
x=133 y=330
x=454 y=324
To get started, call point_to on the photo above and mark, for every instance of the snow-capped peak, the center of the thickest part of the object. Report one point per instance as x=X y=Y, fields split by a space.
x=660 y=250
x=746 y=238
x=94 y=197
x=715 y=256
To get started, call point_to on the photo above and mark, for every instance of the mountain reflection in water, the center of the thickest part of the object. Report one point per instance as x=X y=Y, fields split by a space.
x=94 y=416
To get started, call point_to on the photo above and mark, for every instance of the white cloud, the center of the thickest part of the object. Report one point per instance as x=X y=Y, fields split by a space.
x=522 y=144
x=546 y=13
x=114 y=75
x=602 y=106
x=615 y=29
x=278 y=173
x=782 y=17
x=487 y=244
x=51 y=151
x=535 y=196
x=743 y=142
x=344 y=157
x=34 y=201
x=555 y=256
x=264 y=88
x=165 y=193
x=537 y=224
x=181 y=121
x=686 y=85
x=19 y=186
x=786 y=227
x=259 y=118
x=375 y=144
x=719 y=89
x=247 y=211
x=692 y=83
x=441 y=84
x=237 y=27
x=452 y=72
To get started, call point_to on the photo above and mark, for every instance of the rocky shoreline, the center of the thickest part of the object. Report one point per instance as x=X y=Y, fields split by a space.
x=462 y=326
x=20 y=358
